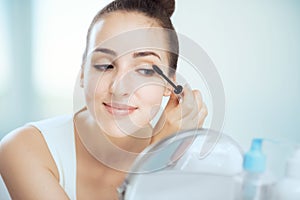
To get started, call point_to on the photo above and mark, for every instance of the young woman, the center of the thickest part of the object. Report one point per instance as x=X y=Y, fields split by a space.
x=87 y=155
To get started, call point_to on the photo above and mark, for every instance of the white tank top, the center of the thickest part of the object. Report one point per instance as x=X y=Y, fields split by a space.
x=58 y=133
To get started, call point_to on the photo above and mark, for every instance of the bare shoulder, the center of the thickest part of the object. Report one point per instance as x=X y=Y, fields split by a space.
x=25 y=143
x=26 y=165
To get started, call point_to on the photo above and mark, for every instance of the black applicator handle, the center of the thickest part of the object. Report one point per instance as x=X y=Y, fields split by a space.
x=177 y=88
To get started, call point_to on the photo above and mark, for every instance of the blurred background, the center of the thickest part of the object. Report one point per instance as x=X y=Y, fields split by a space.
x=254 y=45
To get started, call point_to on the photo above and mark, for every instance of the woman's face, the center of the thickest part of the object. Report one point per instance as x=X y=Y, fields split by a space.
x=122 y=91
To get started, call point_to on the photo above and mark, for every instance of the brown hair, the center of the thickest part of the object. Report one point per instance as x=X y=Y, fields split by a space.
x=160 y=10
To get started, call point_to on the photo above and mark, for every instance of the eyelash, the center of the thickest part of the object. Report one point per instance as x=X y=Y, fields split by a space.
x=104 y=67
x=142 y=71
x=146 y=72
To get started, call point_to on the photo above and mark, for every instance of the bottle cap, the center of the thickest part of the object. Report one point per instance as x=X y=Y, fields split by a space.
x=254 y=159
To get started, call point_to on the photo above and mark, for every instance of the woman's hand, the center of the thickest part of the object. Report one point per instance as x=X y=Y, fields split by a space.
x=187 y=113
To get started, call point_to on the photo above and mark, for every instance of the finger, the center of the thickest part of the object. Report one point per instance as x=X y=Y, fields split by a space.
x=197 y=120
x=197 y=102
x=188 y=101
x=202 y=116
x=173 y=101
x=187 y=95
x=198 y=98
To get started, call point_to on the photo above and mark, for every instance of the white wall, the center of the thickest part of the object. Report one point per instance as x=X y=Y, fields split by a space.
x=255 y=46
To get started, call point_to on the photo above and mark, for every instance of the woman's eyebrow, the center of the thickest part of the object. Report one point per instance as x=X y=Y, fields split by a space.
x=106 y=51
x=145 y=53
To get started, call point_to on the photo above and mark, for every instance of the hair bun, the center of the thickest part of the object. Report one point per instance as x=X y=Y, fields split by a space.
x=168 y=5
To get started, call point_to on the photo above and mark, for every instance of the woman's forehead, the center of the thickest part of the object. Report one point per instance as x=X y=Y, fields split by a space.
x=125 y=32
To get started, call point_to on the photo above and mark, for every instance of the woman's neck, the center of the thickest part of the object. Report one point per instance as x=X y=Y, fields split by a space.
x=116 y=152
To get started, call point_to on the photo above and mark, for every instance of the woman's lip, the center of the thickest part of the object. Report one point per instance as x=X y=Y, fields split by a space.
x=119 y=109
x=120 y=106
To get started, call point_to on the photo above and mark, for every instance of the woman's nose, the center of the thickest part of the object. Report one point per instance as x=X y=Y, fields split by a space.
x=121 y=84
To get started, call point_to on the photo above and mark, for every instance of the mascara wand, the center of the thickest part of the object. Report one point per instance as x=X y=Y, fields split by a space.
x=177 y=88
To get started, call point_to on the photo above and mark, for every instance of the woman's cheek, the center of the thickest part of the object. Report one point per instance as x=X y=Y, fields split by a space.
x=94 y=89
x=152 y=94
x=150 y=99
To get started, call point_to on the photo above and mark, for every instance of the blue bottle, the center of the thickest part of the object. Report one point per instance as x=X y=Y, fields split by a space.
x=256 y=182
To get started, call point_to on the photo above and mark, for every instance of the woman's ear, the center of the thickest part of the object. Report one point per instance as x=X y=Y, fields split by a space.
x=82 y=76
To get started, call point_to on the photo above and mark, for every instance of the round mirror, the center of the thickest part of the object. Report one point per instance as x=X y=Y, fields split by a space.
x=188 y=165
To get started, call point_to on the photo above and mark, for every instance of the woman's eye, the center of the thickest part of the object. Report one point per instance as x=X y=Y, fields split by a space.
x=104 y=67
x=146 y=72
